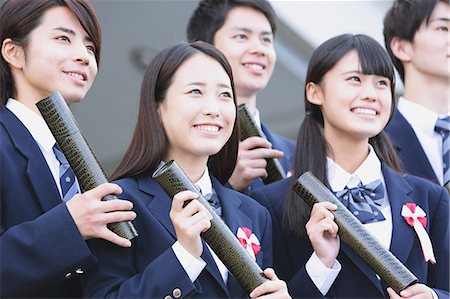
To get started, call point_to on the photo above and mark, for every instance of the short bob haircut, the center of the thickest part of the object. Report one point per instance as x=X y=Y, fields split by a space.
x=312 y=147
x=403 y=20
x=149 y=143
x=19 y=17
x=210 y=15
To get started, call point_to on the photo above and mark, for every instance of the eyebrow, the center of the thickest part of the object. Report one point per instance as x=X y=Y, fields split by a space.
x=72 y=32
x=204 y=84
x=249 y=31
x=352 y=71
x=440 y=19
x=66 y=30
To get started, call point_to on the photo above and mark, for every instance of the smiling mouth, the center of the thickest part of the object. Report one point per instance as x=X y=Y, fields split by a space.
x=254 y=66
x=76 y=75
x=364 y=111
x=208 y=128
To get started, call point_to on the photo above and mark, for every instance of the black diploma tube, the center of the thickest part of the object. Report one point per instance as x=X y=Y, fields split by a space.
x=219 y=237
x=352 y=232
x=68 y=135
x=248 y=128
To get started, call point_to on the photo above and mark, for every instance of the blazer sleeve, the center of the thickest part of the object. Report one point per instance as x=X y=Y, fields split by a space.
x=44 y=250
x=115 y=277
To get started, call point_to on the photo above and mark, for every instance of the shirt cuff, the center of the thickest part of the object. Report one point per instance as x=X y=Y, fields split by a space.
x=191 y=264
x=322 y=276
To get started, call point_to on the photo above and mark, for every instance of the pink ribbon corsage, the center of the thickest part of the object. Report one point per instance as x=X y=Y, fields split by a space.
x=416 y=218
x=249 y=241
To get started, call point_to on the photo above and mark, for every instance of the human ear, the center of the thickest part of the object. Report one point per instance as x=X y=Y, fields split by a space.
x=314 y=93
x=401 y=49
x=12 y=53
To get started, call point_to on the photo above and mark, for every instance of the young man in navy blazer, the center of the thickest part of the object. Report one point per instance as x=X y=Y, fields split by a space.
x=46 y=46
x=416 y=37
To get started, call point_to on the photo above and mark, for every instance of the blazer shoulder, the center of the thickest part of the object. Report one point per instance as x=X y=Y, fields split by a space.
x=433 y=193
x=126 y=182
x=422 y=183
x=273 y=195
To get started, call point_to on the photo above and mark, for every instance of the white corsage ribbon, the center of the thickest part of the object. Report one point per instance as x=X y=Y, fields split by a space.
x=416 y=218
x=249 y=241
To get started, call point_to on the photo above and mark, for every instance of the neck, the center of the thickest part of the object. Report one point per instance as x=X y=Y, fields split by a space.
x=348 y=154
x=431 y=93
x=194 y=168
x=250 y=100
x=30 y=104
x=27 y=96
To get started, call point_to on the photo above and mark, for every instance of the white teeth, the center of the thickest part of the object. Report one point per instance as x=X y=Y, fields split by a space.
x=76 y=75
x=208 y=128
x=254 y=66
x=364 y=111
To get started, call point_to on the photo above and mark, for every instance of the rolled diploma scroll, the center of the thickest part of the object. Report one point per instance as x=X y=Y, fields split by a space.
x=248 y=128
x=219 y=237
x=352 y=232
x=68 y=135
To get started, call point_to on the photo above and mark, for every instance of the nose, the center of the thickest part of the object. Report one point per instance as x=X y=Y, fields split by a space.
x=368 y=92
x=211 y=107
x=82 y=55
x=257 y=47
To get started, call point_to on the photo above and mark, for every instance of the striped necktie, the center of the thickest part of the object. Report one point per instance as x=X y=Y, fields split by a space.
x=68 y=181
x=443 y=128
x=364 y=201
x=214 y=201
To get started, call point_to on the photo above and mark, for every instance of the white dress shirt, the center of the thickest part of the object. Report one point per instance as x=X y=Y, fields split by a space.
x=195 y=265
x=40 y=132
x=423 y=122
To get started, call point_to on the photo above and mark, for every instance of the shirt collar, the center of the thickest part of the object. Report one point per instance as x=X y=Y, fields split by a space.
x=367 y=172
x=34 y=123
x=419 y=117
x=204 y=183
x=257 y=118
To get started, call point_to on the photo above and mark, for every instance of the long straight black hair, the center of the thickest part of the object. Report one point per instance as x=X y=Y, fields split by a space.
x=149 y=143
x=311 y=144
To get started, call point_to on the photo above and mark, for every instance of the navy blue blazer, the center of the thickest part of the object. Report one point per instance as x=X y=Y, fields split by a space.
x=409 y=149
x=150 y=269
x=357 y=279
x=39 y=242
x=286 y=145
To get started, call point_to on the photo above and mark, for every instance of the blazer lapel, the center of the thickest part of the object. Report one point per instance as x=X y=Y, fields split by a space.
x=234 y=217
x=41 y=179
x=402 y=234
x=160 y=207
x=362 y=265
x=212 y=268
x=409 y=148
x=161 y=203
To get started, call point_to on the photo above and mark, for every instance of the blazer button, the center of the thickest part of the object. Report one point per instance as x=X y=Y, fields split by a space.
x=176 y=293
x=68 y=275
x=79 y=271
x=168 y=297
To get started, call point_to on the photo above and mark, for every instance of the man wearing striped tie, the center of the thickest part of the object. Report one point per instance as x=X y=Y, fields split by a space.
x=417 y=39
x=47 y=46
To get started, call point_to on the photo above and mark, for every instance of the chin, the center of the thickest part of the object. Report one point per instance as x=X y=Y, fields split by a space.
x=72 y=98
x=210 y=150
